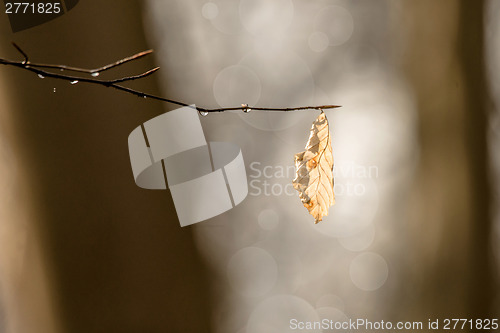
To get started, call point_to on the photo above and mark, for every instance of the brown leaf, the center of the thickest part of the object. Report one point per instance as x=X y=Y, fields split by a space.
x=314 y=170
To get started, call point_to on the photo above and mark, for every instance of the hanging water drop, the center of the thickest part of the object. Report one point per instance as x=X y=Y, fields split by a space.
x=245 y=108
x=74 y=82
x=54 y=89
x=95 y=74
x=41 y=76
x=203 y=113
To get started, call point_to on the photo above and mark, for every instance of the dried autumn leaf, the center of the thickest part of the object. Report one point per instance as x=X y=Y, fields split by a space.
x=314 y=170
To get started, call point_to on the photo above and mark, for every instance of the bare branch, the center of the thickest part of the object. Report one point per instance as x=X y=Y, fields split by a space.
x=41 y=70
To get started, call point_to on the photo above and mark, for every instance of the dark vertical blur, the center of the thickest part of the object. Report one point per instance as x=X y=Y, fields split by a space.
x=478 y=105
x=119 y=260
x=451 y=272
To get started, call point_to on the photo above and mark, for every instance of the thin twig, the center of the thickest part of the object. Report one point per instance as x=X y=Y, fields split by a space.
x=40 y=70
x=86 y=70
x=22 y=52
x=134 y=77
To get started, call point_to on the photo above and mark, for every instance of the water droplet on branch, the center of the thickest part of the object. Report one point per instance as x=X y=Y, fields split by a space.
x=54 y=89
x=95 y=74
x=203 y=113
x=74 y=82
x=245 y=108
x=41 y=76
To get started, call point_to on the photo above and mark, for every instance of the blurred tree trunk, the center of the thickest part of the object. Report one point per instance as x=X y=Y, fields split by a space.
x=472 y=55
x=26 y=301
x=114 y=254
x=451 y=251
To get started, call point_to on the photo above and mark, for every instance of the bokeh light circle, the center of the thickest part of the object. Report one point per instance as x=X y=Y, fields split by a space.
x=236 y=85
x=252 y=272
x=286 y=80
x=318 y=41
x=268 y=219
x=336 y=22
x=368 y=271
x=210 y=10
x=227 y=20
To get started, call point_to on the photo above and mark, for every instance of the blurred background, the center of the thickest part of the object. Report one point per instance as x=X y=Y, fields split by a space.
x=415 y=229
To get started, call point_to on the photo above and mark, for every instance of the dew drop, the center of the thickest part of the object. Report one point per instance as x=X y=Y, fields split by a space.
x=41 y=76
x=62 y=69
x=144 y=96
x=203 y=113
x=245 y=107
x=95 y=74
x=74 y=82
x=54 y=89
